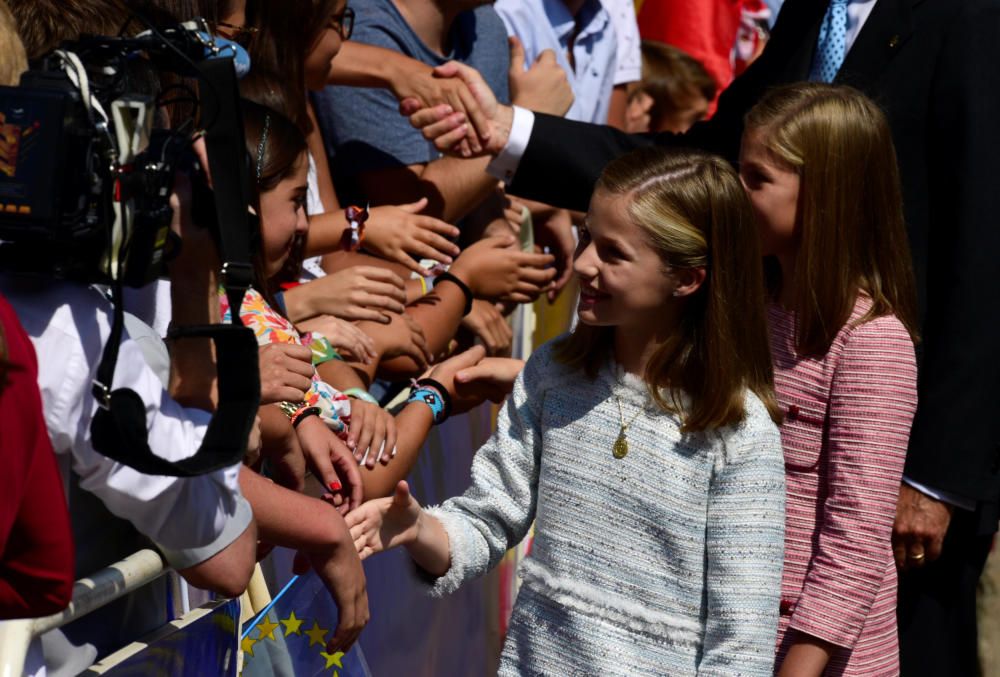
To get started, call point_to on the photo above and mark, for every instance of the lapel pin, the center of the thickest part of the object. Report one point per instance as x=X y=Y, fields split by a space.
x=893 y=41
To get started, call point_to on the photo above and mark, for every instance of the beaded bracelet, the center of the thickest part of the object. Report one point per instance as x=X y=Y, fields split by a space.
x=303 y=414
x=361 y=394
x=434 y=395
x=354 y=234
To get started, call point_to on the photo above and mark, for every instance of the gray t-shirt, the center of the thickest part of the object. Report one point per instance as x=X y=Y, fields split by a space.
x=362 y=127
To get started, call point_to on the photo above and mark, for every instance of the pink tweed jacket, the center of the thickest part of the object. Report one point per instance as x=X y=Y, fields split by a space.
x=845 y=433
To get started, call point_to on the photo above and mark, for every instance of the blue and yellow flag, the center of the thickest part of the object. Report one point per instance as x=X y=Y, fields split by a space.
x=288 y=637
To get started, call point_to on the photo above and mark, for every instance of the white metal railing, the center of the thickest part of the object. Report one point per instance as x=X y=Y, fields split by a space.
x=89 y=593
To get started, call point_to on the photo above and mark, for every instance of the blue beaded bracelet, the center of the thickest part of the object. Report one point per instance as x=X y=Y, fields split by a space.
x=432 y=398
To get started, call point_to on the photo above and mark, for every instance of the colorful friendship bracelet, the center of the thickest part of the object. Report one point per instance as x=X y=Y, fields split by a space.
x=434 y=395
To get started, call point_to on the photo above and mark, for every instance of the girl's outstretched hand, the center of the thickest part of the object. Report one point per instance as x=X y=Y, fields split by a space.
x=399 y=233
x=487 y=323
x=372 y=435
x=342 y=335
x=354 y=293
x=332 y=462
x=493 y=270
x=491 y=379
x=385 y=523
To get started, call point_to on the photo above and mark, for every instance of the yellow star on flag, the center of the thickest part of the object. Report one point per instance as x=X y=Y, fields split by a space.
x=332 y=659
x=247 y=645
x=317 y=635
x=292 y=624
x=267 y=628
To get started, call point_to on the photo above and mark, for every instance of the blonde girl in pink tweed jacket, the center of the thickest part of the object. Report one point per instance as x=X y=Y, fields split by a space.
x=819 y=166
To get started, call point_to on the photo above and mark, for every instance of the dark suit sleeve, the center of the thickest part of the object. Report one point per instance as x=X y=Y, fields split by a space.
x=954 y=443
x=564 y=158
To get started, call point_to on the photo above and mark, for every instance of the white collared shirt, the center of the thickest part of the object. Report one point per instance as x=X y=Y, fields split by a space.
x=189 y=519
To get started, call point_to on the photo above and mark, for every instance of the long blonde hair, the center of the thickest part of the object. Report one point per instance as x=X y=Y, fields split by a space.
x=694 y=211
x=853 y=236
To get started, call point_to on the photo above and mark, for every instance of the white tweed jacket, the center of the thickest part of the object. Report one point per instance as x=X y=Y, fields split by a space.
x=665 y=562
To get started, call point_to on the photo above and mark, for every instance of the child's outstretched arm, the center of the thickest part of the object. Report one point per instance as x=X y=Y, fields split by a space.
x=398 y=520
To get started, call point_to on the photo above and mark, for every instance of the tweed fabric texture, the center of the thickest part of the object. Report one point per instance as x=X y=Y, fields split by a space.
x=667 y=561
x=845 y=434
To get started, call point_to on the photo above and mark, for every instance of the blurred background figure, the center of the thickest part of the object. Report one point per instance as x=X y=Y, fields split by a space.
x=674 y=93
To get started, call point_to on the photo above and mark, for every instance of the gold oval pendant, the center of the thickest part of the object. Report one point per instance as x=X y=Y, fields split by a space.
x=620 y=448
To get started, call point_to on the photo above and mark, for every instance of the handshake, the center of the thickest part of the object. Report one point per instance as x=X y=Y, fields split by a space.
x=462 y=116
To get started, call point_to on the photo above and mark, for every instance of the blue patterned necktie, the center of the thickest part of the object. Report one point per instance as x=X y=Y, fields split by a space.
x=832 y=44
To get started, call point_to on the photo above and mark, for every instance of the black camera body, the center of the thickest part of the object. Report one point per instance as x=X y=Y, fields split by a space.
x=85 y=179
x=85 y=190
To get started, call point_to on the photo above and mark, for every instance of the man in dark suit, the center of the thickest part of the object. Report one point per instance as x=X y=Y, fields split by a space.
x=932 y=65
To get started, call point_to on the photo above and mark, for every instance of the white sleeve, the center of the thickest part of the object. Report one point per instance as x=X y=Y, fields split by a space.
x=504 y=165
x=190 y=519
x=497 y=510
x=629 y=52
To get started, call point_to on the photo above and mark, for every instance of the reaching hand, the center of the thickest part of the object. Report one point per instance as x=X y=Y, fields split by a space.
x=544 y=87
x=350 y=341
x=385 y=523
x=495 y=271
x=339 y=567
x=354 y=293
x=447 y=129
x=920 y=527
x=491 y=379
x=487 y=323
x=401 y=337
x=331 y=462
x=372 y=434
x=398 y=233
x=554 y=229
x=285 y=372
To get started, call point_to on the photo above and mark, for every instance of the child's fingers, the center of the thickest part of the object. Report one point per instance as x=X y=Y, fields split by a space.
x=390 y=441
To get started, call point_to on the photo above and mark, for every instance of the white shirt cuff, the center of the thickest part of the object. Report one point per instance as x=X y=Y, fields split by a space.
x=504 y=165
x=943 y=496
x=626 y=75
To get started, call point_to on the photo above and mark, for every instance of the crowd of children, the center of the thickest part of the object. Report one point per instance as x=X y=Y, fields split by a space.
x=711 y=457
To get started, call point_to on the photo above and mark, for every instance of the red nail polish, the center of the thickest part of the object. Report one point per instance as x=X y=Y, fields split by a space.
x=335 y=486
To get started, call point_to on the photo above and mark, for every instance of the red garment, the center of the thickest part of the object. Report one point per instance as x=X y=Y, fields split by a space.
x=36 y=544
x=705 y=29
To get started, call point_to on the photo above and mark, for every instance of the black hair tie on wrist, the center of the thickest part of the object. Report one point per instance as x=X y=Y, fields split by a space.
x=448 y=277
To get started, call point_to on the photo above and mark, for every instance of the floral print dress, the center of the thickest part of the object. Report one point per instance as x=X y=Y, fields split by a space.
x=270 y=326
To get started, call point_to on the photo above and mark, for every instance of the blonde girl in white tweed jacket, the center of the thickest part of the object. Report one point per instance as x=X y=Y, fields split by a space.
x=642 y=444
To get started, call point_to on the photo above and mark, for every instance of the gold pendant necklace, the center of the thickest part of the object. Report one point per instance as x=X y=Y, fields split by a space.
x=620 y=448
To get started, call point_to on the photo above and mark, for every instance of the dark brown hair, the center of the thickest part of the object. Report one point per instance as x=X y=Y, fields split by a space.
x=853 y=236
x=275 y=146
x=44 y=24
x=694 y=211
x=670 y=77
x=286 y=33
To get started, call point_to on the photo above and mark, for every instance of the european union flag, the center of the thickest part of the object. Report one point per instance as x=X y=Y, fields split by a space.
x=203 y=645
x=288 y=637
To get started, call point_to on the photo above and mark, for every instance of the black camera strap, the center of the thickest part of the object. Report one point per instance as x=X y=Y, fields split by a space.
x=119 y=427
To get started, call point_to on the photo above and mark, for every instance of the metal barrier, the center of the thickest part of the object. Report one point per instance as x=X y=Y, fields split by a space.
x=89 y=593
